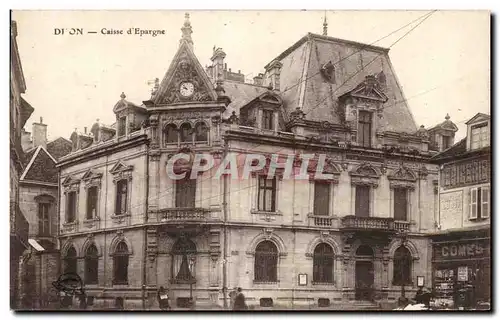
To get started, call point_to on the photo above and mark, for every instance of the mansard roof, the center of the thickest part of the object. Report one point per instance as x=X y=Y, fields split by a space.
x=303 y=86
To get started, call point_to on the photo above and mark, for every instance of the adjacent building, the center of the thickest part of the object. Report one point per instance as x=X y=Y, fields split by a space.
x=461 y=267
x=20 y=111
x=38 y=198
x=127 y=228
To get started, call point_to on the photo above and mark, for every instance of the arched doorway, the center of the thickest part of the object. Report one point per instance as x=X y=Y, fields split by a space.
x=364 y=273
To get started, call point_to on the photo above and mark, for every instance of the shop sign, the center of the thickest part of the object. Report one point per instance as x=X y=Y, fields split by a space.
x=462 y=250
x=462 y=274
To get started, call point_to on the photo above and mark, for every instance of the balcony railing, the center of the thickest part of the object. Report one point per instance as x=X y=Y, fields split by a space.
x=183 y=214
x=374 y=223
x=19 y=227
x=321 y=221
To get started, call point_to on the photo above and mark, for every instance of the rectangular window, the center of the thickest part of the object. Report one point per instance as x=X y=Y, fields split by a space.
x=70 y=206
x=267 y=194
x=400 y=204
x=446 y=142
x=362 y=201
x=321 y=198
x=479 y=203
x=364 y=128
x=185 y=193
x=122 y=123
x=480 y=136
x=91 y=202
x=121 y=197
x=268 y=119
x=43 y=219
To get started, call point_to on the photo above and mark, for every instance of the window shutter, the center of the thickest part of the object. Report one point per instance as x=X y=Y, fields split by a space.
x=473 y=203
x=485 y=202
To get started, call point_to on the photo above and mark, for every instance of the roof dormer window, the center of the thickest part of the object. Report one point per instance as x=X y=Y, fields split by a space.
x=480 y=136
x=268 y=119
x=122 y=123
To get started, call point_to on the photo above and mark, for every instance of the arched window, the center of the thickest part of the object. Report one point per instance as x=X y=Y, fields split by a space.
x=184 y=260
x=201 y=132
x=120 y=264
x=402 y=266
x=186 y=132
x=91 y=265
x=170 y=134
x=266 y=262
x=323 y=263
x=70 y=261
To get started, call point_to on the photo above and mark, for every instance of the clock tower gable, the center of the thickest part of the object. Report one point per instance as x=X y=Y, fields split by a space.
x=185 y=80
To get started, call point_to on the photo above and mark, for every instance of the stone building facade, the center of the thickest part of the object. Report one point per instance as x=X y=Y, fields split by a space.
x=38 y=198
x=357 y=235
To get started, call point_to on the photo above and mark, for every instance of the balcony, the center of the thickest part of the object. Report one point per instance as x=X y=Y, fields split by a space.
x=175 y=215
x=374 y=224
x=320 y=221
x=19 y=226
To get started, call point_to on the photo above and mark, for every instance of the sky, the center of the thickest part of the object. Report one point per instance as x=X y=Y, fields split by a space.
x=443 y=65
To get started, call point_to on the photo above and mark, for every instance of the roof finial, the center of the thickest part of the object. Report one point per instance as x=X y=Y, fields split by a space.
x=447 y=117
x=187 y=30
x=325 y=26
x=123 y=96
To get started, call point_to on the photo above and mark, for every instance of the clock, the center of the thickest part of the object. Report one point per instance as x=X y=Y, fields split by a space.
x=186 y=89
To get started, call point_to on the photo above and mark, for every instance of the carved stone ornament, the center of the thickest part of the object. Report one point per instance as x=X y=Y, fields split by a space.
x=121 y=171
x=402 y=177
x=185 y=71
x=366 y=175
x=92 y=178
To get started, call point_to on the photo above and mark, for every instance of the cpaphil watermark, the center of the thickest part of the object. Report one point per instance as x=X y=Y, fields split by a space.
x=242 y=166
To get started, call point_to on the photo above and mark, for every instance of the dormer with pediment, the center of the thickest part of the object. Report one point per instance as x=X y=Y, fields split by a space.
x=363 y=108
x=442 y=136
x=129 y=117
x=185 y=105
x=478 y=132
x=263 y=112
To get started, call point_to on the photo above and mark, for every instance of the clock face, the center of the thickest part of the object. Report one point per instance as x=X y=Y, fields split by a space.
x=186 y=89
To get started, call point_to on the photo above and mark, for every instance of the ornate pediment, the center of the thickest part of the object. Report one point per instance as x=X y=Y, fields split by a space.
x=120 y=167
x=402 y=177
x=185 y=80
x=70 y=180
x=365 y=174
x=369 y=89
x=402 y=173
x=92 y=178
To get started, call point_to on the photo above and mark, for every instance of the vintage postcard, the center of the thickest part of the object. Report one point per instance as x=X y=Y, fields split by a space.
x=250 y=160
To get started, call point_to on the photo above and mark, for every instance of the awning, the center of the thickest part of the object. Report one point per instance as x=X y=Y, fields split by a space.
x=38 y=247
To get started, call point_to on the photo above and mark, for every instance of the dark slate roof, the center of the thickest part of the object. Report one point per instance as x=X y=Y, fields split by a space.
x=240 y=94
x=42 y=168
x=59 y=147
x=459 y=149
x=302 y=85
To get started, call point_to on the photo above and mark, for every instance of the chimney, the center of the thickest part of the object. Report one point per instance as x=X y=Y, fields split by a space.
x=39 y=134
x=257 y=80
x=274 y=69
x=26 y=143
x=218 y=62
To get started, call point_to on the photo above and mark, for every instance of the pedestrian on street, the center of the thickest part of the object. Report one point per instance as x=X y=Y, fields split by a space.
x=232 y=296
x=163 y=299
x=239 y=301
